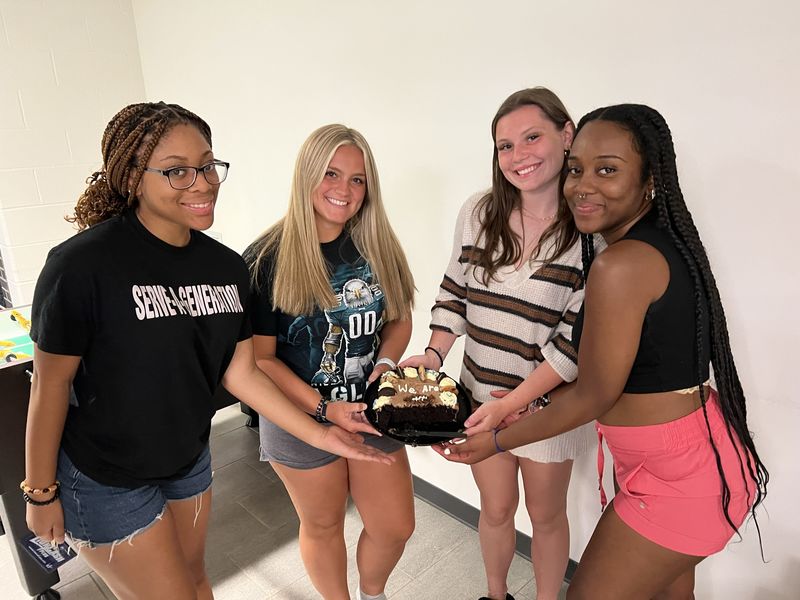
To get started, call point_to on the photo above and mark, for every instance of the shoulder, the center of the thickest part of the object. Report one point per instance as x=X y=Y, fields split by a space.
x=629 y=268
x=88 y=248
x=472 y=214
x=475 y=206
x=217 y=247
x=253 y=255
x=223 y=257
x=260 y=268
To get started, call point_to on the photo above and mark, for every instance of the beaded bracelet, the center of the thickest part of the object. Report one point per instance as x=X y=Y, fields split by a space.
x=38 y=491
x=437 y=353
x=320 y=412
x=33 y=502
x=539 y=403
x=496 y=445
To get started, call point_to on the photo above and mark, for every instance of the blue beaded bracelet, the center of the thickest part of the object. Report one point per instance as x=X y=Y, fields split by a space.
x=496 y=445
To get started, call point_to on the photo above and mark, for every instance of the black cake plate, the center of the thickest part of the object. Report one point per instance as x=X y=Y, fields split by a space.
x=433 y=433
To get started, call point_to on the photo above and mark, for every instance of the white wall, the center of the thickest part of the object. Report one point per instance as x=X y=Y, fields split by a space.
x=65 y=69
x=422 y=81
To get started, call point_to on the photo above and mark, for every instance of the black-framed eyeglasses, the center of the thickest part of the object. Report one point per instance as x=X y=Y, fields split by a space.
x=182 y=178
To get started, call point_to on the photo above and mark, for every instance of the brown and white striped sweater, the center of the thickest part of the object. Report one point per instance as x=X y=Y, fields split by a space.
x=520 y=319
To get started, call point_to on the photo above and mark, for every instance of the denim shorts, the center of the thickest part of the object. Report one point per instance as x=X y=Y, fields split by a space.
x=96 y=514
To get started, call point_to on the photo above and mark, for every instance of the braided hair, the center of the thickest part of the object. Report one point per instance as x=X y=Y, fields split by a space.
x=653 y=141
x=128 y=143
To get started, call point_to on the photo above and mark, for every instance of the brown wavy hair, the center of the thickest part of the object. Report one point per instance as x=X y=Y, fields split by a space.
x=496 y=206
x=128 y=143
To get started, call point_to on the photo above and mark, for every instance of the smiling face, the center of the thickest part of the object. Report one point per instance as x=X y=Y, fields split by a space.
x=341 y=193
x=167 y=213
x=604 y=187
x=530 y=149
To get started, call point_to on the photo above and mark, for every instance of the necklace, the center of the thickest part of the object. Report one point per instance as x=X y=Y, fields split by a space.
x=522 y=212
x=538 y=218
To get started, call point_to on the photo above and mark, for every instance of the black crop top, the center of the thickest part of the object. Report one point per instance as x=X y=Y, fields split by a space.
x=667 y=356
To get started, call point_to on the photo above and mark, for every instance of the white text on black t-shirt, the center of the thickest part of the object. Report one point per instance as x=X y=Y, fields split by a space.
x=156 y=301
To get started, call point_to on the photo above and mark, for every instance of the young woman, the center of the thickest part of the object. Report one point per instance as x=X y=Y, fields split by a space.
x=513 y=287
x=687 y=469
x=143 y=317
x=333 y=297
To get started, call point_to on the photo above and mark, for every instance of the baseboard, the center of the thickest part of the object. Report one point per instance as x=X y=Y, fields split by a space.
x=468 y=514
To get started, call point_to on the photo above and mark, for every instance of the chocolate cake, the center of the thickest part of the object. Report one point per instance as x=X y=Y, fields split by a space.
x=416 y=398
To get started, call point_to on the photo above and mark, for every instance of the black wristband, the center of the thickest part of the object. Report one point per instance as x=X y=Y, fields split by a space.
x=320 y=414
x=436 y=352
x=33 y=502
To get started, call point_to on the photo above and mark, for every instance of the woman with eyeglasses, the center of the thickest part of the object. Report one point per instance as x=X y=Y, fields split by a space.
x=332 y=311
x=142 y=316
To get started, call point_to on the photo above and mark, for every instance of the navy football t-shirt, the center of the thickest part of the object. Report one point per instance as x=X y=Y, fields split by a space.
x=333 y=350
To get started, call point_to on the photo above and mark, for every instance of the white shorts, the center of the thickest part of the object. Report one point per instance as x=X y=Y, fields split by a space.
x=567 y=446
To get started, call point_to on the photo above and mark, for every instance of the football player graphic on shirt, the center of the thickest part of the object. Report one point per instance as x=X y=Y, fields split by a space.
x=352 y=326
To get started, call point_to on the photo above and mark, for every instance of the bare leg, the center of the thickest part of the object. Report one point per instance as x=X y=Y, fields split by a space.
x=546 y=487
x=320 y=499
x=384 y=497
x=152 y=566
x=496 y=478
x=191 y=523
x=620 y=564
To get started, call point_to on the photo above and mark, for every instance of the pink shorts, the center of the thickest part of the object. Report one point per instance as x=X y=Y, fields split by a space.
x=670 y=491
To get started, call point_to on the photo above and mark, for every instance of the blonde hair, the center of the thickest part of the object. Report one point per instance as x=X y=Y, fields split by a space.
x=301 y=281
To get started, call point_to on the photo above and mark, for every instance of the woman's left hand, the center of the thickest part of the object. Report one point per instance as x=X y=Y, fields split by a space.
x=470 y=451
x=487 y=416
x=351 y=445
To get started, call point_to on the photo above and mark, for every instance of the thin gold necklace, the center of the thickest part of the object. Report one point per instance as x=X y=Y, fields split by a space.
x=522 y=258
x=538 y=218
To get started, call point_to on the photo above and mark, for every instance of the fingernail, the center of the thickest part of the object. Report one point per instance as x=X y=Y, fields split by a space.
x=447 y=451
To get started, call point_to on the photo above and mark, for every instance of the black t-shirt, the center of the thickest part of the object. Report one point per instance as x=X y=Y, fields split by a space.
x=156 y=327
x=332 y=350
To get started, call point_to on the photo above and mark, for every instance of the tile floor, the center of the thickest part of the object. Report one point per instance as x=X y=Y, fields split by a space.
x=252 y=541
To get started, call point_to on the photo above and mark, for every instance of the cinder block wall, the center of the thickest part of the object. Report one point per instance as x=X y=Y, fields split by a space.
x=65 y=68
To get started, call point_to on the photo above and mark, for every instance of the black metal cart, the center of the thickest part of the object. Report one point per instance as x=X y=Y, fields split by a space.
x=15 y=385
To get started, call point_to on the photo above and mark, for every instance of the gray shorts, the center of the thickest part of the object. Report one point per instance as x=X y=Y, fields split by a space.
x=283 y=448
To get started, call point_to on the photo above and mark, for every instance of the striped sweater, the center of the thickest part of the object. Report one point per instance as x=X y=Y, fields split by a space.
x=520 y=319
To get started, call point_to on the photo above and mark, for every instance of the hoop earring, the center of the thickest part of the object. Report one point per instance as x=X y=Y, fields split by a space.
x=652 y=194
